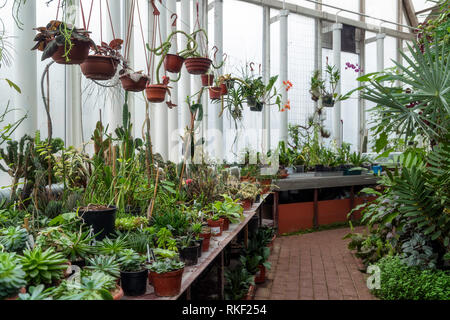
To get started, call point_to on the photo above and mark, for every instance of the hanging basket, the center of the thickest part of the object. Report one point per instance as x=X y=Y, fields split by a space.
x=98 y=67
x=223 y=89
x=156 y=93
x=173 y=63
x=77 y=55
x=130 y=84
x=215 y=93
x=207 y=80
x=328 y=101
x=197 y=65
x=254 y=104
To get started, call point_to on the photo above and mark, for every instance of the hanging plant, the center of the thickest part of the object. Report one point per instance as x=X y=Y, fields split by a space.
x=62 y=42
x=207 y=79
x=103 y=64
x=133 y=81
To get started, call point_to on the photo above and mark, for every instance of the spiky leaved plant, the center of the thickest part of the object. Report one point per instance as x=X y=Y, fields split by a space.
x=13 y=238
x=12 y=277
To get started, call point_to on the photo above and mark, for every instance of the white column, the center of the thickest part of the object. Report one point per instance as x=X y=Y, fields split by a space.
x=114 y=112
x=203 y=5
x=337 y=126
x=284 y=62
x=185 y=81
x=380 y=51
x=161 y=140
x=219 y=142
x=172 y=124
x=131 y=96
x=25 y=71
x=266 y=77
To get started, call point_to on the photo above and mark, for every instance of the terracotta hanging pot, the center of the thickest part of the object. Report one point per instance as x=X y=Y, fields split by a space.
x=173 y=63
x=77 y=55
x=207 y=80
x=129 y=84
x=223 y=89
x=98 y=67
x=197 y=65
x=156 y=93
x=215 y=93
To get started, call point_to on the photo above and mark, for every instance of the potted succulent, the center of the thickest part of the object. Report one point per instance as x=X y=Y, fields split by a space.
x=156 y=93
x=239 y=284
x=188 y=249
x=133 y=273
x=12 y=279
x=100 y=217
x=206 y=235
x=247 y=193
x=13 y=239
x=196 y=229
x=166 y=276
x=64 y=43
x=216 y=225
x=102 y=65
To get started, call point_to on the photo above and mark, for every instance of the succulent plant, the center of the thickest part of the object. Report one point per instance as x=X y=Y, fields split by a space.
x=14 y=238
x=12 y=277
x=105 y=264
x=131 y=261
x=36 y=293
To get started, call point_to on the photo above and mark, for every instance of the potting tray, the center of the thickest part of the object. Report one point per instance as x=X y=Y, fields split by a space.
x=217 y=245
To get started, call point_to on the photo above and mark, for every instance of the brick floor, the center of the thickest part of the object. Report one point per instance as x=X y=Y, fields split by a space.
x=314 y=266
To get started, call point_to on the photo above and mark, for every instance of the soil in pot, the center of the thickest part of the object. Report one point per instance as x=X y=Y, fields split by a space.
x=207 y=80
x=189 y=255
x=101 y=218
x=215 y=93
x=173 y=63
x=200 y=246
x=167 y=284
x=206 y=239
x=129 y=84
x=134 y=283
x=198 y=65
x=77 y=55
x=98 y=67
x=261 y=275
x=216 y=227
x=156 y=93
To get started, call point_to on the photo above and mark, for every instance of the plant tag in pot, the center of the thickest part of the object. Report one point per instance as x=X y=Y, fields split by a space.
x=215 y=230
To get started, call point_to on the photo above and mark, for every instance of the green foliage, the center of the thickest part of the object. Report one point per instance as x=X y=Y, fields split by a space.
x=166 y=265
x=400 y=282
x=106 y=264
x=165 y=240
x=131 y=223
x=369 y=248
x=95 y=286
x=12 y=276
x=36 y=293
x=229 y=208
x=237 y=282
x=43 y=267
x=13 y=238
x=131 y=261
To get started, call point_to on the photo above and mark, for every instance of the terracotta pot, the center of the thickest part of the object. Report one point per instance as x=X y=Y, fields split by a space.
x=207 y=80
x=266 y=184
x=247 y=204
x=214 y=93
x=197 y=65
x=223 y=89
x=216 y=227
x=77 y=55
x=129 y=84
x=167 y=284
x=226 y=224
x=261 y=275
x=98 y=67
x=118 y=293
x=206 y=238
x=156 y=93
x=250 y=293
x=173 y=63
x=22 y=290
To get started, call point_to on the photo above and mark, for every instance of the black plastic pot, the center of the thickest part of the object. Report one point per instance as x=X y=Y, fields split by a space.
x=300 y=168
x=103 y=222
x=254 y=105
x=189 y=255
x=134 y=283
x=199 y=248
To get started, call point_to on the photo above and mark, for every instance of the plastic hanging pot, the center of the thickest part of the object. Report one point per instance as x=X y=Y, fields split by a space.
x=134 y=283
x=101 y=220
x=156 y=93
x=198 y=65
x=98 y=67
x=215 y=93
x=189 y=255
x=77 y=54
x=129 y=84
x=167 y=284
x=173 y=63
x=328 y=101
x=207 y=80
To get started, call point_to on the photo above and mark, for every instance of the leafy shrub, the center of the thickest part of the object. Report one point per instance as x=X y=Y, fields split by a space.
x=400 y=282
x=238 y=281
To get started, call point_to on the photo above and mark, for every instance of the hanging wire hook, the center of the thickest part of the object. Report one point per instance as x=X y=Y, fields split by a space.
x=225 y=57
x=174 y=23
x=260 y=66
x=215 y=52
x=251 y=66
x=155 y=9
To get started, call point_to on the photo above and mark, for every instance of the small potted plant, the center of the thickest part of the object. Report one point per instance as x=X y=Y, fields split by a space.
x=173 y=63
x=12 y=279
x=102 y=65
x=196 y=230
x=133 y=81
x=229 y=210
x=206 y=235
x=215 y=222
x=64 y=43
x=188 y=250
x=166 y=276
x=133 y=273
x=247 y=193
x=102 y=219
x=284 y=160
x=239 y=284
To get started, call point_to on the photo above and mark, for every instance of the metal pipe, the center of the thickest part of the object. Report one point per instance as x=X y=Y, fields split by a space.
x=266 y=75
x=219 y=141
x=284 y=64
x=337 y=28
x=185 y=81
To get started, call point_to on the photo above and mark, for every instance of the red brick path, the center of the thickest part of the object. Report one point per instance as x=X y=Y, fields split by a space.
x=314 y=266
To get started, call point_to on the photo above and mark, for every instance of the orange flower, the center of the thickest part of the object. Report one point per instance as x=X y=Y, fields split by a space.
x=287 y=84
x=288 y=105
